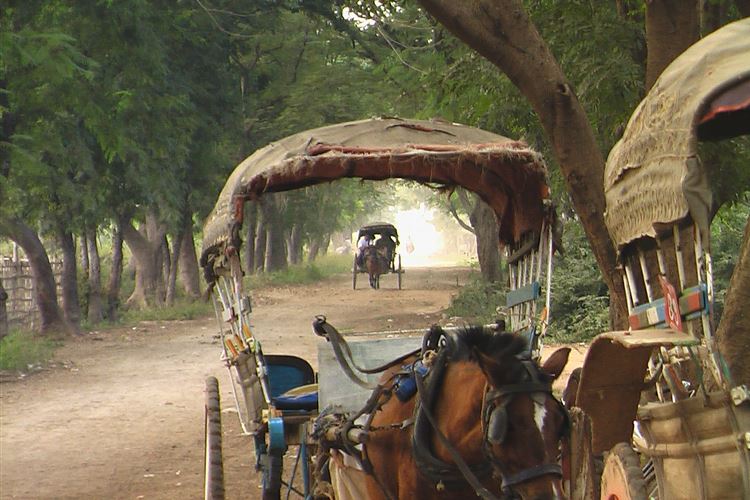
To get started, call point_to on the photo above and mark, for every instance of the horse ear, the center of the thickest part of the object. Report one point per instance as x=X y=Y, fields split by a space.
x=556 y=362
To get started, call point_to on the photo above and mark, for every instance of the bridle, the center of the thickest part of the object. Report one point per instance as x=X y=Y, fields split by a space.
x=495 y=422
x=494 y=427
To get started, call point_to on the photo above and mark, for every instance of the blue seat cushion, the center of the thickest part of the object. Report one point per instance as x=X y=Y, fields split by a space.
x=306 y=400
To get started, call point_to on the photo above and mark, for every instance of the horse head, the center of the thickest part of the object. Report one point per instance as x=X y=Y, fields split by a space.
x=522 y=422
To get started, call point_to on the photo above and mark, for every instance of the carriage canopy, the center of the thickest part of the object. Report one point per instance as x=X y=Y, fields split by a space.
x=379 y=228
x=507 y=174
x=653 y=174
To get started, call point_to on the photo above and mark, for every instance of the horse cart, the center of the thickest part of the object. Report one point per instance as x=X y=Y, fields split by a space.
x=658 y=402
x=379 y=255
x=357 y=431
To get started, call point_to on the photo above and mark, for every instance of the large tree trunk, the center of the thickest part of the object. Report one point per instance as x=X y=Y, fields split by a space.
x=294 y=245
x=487 y=235
x=261 y=236
x=69 y=279
x=174 y=264
x=115 y=274
x=96 y=307
x=275 y=244
x=147 y=251
x=4 y=330
x=502 y=32
x=733 y=337
x=671 y=27
x=188 y=267
x=53 y=321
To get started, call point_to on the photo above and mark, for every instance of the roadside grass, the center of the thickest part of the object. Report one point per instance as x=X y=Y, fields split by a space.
x=477 y=301
x=323 y=267
x=182 y=309
x=21 y=351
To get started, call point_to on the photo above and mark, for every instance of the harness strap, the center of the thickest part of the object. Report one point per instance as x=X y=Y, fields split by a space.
x=531 y=473
x=470 y=477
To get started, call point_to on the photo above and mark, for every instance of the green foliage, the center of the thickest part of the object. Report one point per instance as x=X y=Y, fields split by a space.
x=580 y=301
x=727 y=230
x=21 y=351
x=477 y=301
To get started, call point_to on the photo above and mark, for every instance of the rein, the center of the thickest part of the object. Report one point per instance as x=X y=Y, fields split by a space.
x=343 y=353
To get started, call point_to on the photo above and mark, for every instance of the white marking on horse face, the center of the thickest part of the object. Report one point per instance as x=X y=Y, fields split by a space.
x=540 y=412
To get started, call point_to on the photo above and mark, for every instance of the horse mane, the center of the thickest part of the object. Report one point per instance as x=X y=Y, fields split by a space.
x=478 y=338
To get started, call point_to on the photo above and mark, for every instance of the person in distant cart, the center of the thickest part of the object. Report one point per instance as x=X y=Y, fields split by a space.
x=364 y=241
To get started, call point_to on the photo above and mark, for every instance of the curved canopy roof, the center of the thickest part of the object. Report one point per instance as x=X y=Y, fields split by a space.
x=506 y=174
x=653 y=174
x=376 y=228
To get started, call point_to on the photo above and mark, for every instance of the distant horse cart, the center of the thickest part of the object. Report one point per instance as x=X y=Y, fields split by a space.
x=657 y=402
x=449 y=413
x=380 y=256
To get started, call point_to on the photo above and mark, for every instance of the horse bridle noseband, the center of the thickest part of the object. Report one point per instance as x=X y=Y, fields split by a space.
x=494 y=414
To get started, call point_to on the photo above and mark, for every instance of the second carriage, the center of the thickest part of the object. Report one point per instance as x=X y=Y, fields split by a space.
x=381 y=241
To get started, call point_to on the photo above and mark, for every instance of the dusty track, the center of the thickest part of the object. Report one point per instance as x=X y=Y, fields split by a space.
x=122 y=414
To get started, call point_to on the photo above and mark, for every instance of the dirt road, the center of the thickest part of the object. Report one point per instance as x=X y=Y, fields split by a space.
x=121 y=416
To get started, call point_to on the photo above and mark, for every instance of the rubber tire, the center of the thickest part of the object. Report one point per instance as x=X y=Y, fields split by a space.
x=622 y=477
x=272 y=476
x=213 y=478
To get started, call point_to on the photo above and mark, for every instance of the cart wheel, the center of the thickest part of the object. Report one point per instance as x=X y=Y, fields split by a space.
x=354 y=274
x=272 y=476
x=399 y=271
x=622 y=478
x=213 y=479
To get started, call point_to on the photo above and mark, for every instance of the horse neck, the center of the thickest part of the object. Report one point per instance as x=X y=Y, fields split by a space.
x=458 y=409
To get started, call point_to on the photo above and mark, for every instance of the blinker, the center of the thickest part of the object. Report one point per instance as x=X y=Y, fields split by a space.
x=497 y=425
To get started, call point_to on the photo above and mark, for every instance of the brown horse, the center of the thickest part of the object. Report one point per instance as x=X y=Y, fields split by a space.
x=492 y=405
x=375 y=263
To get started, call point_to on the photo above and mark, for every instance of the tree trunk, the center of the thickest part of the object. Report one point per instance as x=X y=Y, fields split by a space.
x=69 y=279
x=275 y=244
x=84 y=255
x=316 y=243
x=502 y=32
x=95 y=313
x=164 y=266
x=294 y=244
x=188 y=263
x=484 y=222
x=261 y=236
x=115 y=275
x=147 y=252
x=671 y=27
x=732 y=334
x=251 y=223
x=4 y=330
x=174 y=264
x=53 y=321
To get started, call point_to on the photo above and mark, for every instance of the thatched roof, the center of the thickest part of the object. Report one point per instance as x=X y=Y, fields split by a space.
x=653 y=174
x=507 y=174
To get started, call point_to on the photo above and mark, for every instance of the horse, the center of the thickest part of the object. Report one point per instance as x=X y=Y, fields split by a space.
x=484 y=403
x=375 y=263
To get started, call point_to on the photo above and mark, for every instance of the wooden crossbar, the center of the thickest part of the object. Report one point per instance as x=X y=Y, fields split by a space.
x=693 y=303
x=526 y=293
